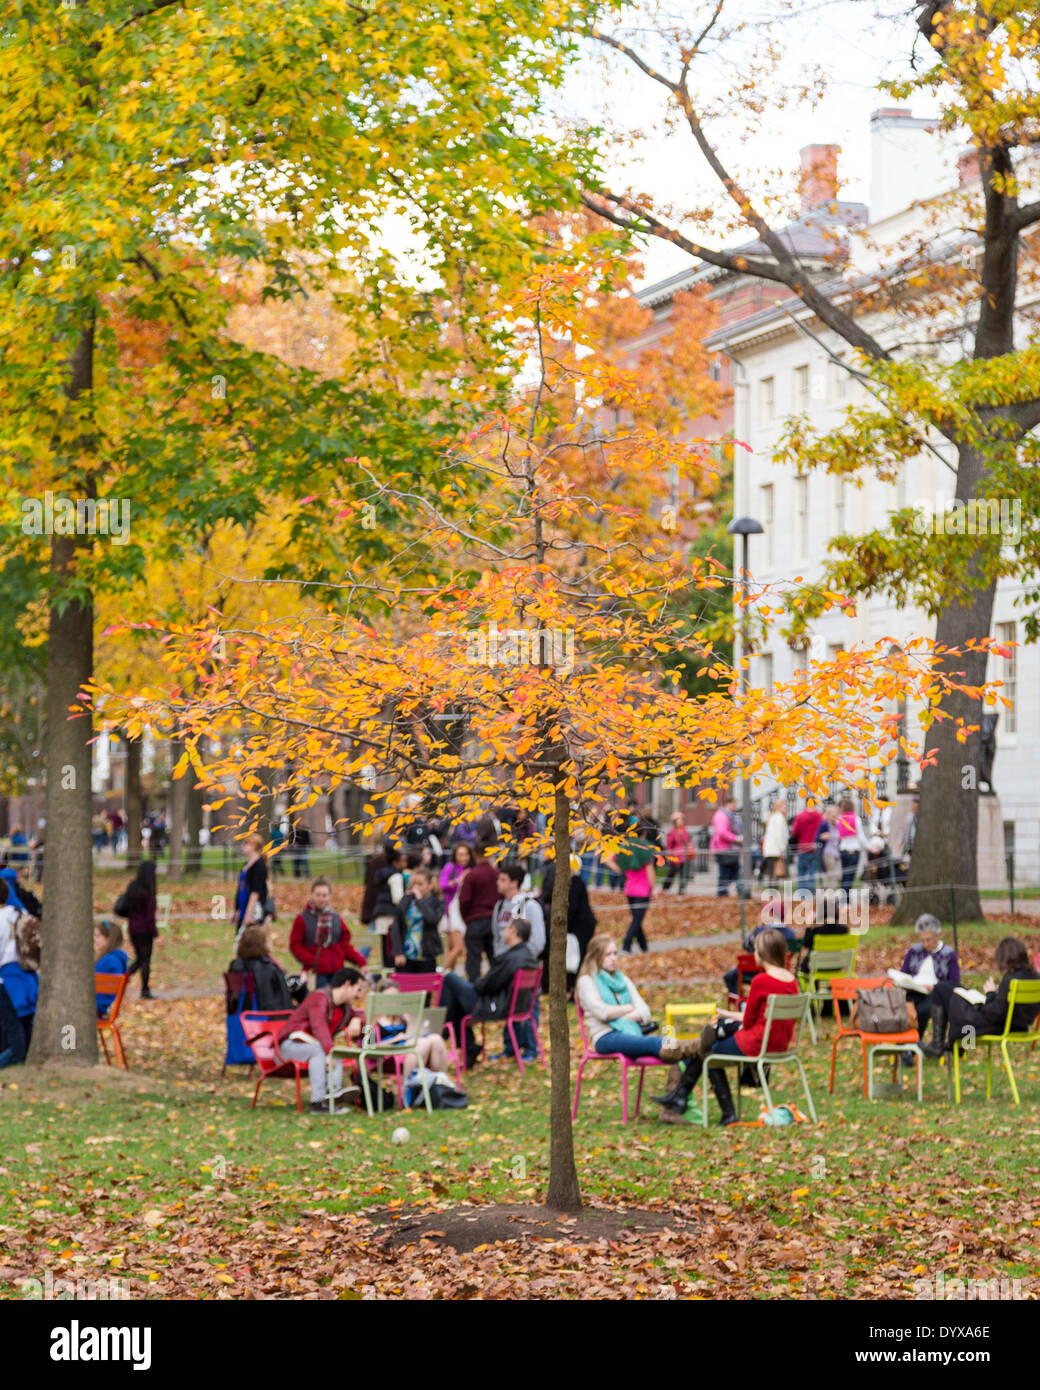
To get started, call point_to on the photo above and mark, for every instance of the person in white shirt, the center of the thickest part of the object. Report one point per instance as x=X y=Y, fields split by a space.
x=515 y=901
x=774 y=843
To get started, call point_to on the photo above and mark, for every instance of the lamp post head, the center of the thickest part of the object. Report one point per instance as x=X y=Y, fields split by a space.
x=745 y=526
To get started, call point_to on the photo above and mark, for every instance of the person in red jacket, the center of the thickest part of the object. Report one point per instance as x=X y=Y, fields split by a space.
x=478 y=897
x=308 y=1033
x=320 y=940
x=739 y=1035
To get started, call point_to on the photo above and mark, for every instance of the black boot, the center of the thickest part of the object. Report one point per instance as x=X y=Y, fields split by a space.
x=678 y=1099
x=675 y=1072
x=720 y=1085
x=937 y=1046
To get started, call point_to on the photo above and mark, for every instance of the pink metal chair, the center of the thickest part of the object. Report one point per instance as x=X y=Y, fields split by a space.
x=524 y=982
x=589 y=1054
x=432 y=984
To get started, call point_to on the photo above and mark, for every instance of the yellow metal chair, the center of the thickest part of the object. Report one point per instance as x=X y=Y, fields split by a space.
x=676 y=1014
x=1019 y=992
x=833 y=956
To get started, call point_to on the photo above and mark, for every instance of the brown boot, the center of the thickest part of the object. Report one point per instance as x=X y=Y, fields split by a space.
x=680 y=1050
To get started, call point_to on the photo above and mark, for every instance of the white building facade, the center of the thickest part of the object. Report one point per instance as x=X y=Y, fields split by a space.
x=786 y=364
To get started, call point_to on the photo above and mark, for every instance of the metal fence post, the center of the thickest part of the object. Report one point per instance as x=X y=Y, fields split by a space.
x=1009 y=860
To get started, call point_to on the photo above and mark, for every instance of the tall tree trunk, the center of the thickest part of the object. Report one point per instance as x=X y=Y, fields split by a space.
x=66 y=1017
x=196 y=799
x=65 y=1028
x=134 y=807
x=355 y=801
x=947 y=839
x=179 y=789
x=564 y=1192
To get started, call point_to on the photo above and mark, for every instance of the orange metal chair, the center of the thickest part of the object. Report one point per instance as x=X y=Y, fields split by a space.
x=844 y=990
x=116 y=986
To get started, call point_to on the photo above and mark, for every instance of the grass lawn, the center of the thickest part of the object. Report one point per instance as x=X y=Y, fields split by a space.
x=165 y=1178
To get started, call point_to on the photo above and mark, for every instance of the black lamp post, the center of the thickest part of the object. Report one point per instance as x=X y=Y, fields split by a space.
x=744 y=527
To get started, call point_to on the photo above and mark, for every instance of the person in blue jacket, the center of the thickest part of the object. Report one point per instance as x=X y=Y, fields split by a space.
x=109 y=958
x=19 y=981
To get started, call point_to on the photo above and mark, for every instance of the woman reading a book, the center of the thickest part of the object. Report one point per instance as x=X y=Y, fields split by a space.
x=927 y=963
x=966 y=1014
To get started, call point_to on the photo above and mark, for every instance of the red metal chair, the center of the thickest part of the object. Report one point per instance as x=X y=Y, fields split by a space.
x=524 y=982
x=261 y=1033
x=746 y=969
x=115 y=985
x=589 y=1054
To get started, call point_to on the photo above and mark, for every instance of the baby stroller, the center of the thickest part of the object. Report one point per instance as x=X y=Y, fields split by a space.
x=884 y=877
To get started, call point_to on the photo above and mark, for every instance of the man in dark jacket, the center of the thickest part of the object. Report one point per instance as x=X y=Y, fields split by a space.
x=320 y=940
x=581 y=920
x=488 y=999
x=478 y=895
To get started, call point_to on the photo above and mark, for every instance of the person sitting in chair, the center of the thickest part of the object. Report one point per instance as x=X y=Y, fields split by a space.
x=274 y=989
x=109 y=958
x=738 y=1035
x=615 y=1012
x=954 y=1019
x=307 y=1035
x=929 y=961
x=488 y=999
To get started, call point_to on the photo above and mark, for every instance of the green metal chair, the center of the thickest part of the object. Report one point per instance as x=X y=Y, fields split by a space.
x=1019 y=992
x=410 y=1007
x=826 y=962
x=779 y=1007
x=364 y=937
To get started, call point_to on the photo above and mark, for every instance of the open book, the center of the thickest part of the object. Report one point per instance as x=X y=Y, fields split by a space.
x=921 y=983
x=973 y=996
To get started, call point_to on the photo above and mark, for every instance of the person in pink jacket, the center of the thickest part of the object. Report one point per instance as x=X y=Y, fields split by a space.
x=725 y=845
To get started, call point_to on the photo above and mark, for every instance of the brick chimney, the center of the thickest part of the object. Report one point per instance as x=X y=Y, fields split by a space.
x=819 y=176
x=967 y=166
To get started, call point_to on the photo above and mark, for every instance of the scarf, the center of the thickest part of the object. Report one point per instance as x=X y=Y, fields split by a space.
x=613 y=990
x=634 y=856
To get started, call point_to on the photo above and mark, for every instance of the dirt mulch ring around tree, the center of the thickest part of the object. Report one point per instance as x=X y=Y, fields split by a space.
x=465 y=1228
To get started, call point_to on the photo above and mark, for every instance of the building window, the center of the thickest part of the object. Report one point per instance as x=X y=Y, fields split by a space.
x=839 y=506
x=767 y=672
x=839 y=381
x=801 y=661
x=801 y=390
x=766 y=400
x=1007 y=671
x=765 y=511
x=801 y=518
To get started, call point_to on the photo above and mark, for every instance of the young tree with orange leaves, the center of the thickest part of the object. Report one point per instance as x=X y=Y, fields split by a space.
x=547 y=647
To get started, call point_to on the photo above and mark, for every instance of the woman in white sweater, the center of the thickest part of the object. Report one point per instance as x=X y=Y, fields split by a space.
x=774 y=844
x=614 y=1009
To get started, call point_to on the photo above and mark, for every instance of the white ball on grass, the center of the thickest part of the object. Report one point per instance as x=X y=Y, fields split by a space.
x=400 y=1136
